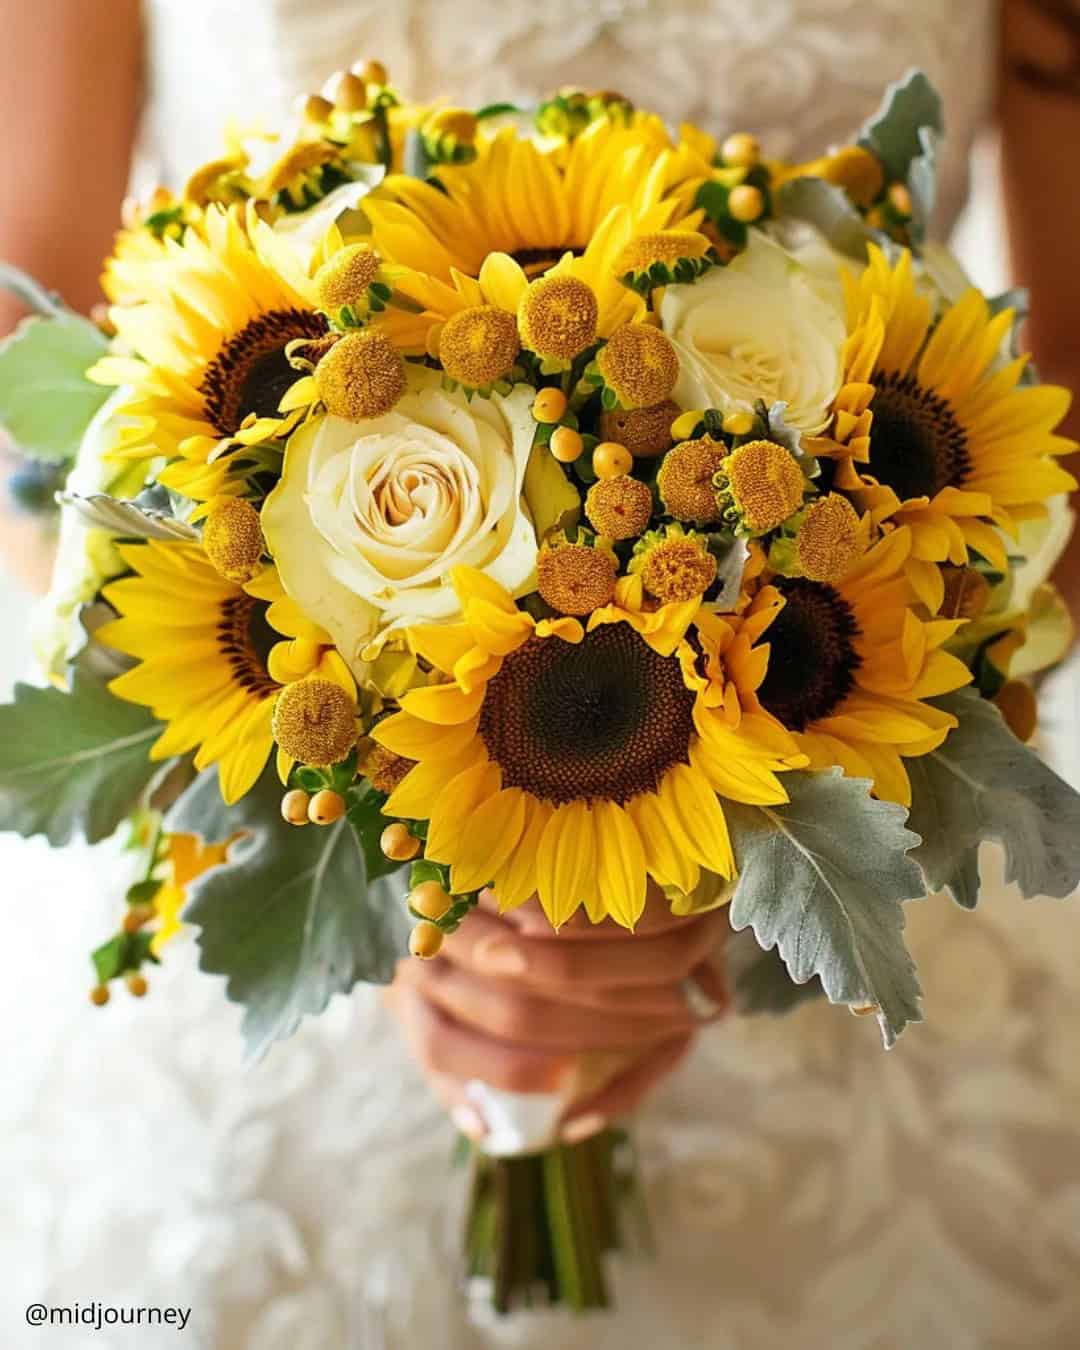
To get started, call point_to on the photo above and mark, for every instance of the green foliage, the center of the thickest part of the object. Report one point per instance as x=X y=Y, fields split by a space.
x=46 y=401
x=904 y=135
x=123 y=953
x=985 y=784
x=822 y=879
x=294 y=916
x=761 y=982
x=72 y=763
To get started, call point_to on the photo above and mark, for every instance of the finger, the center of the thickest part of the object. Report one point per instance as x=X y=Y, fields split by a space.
x=623 y=1094
x=503 y=1009
x=442 y=1046
x=490 y=945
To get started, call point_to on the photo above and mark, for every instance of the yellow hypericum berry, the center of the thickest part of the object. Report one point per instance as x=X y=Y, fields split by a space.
x=549 y=405
x=458 y=124
x=682 y=428
x=566 y=444
x=857 y=170
x=345 y=277
x=317 y=108
x=760 y=484
x=326 y=807
x=99 y=995
x=479 y=345
x=557 y=316
x=136 y=985
x=350 y=95
x=828 y=539
x=741 y=150
x=575 y=578
x=374 y=72
x=398 y=844
x=429 y=899
x=610 y=460
x=294 y=807
x=384 y=769
x=138 y=916
x=646 y=432
x=738 y=423
x=426 y=940
x=361 y=376
x=900 y=199
x=314 y=721
x=619 y=508
x=746 y=202
x=685 y=480
x=674 y=566
x=639 y=364
x=232 y=539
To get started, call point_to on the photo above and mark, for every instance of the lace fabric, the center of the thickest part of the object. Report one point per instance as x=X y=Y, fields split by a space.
x=806 y=1188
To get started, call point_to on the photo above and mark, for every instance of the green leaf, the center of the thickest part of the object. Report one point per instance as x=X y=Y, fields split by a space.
x=124 y=952
x=46 y=401
x=910 y=106
x=72 y=763
x=822 y=880
x=761 y=982
x=32 y=293
x=828 y=209
x=985 y=784
x=143 y=892
x=292 y=918
x=368 y=822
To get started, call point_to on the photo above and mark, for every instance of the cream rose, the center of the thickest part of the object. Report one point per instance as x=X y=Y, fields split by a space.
x=763 y=327
x=369 y=517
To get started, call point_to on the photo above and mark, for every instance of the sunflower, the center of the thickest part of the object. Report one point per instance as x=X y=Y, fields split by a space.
x=851 y=663
x=208 y=369
x=211 y=656
x=578 y=207
x=187 y=857
x=573 y=760
x=949 y=441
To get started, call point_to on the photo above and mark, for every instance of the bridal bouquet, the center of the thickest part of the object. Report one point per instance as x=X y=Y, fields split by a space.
x=544 y=501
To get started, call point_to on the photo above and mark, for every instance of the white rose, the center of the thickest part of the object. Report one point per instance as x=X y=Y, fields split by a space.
x=369 y=517
x=763 y=327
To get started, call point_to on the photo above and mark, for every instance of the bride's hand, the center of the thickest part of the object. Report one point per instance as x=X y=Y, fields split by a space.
x=514 y=1004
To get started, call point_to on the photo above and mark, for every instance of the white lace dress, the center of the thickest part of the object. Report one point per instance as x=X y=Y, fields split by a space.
x=806 y=1188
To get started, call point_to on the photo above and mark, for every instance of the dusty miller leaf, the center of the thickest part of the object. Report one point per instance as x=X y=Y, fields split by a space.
x=822 y=880
x=46 y=401
x=760 y=980
x=72 y=763
x=985 y=784
x=291 y=918
x=127 y=519
x=827 y=208
x=910 y=106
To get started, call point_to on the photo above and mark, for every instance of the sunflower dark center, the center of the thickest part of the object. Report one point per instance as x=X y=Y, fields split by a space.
x=250 y=372
x=605 y=718
x=812 y=658
x=917 y=447
x=534 y=261
x=245 y=638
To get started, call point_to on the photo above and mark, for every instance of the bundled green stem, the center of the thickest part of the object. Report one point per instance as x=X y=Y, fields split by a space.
x=539 y=1226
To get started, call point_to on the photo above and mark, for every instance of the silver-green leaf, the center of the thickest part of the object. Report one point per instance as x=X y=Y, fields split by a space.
x=910 y=107
x=822 y=879
x=828 y=209
x=127 y=519
x=985 y=784
x=72 y=763
x=291 y=918
x=760 y=981
x=46 y=401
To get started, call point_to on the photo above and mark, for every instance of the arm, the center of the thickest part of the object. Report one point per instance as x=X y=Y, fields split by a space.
x=69 y=70
x=70 y=73
x=1040 y=128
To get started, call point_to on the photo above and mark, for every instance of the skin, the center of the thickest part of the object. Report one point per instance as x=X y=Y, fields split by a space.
x=71 y=72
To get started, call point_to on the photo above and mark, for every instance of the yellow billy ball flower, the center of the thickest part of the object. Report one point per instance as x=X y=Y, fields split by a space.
x=646 y=432
x=619 y=508
x=315 y=722
x=232 y=538
x=479 y=345
x=575 y=578
x=557 y=316
x=759 y=486
x=639 y=364
x=664 y=246
x=686 y=477
x=674 y=565
x=345 y=277
x=828 y=539
x=362 y=375
x=384 y=769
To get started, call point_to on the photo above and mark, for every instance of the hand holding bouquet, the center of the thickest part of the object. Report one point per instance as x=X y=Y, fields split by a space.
x=548 y=503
